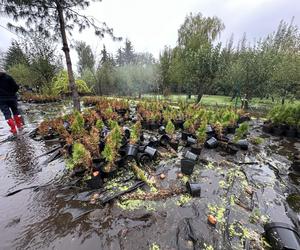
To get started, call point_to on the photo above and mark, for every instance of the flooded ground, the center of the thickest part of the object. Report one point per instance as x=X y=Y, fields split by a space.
x=242 y=192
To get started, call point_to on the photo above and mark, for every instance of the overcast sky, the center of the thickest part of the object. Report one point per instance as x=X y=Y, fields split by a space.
x=152 y=24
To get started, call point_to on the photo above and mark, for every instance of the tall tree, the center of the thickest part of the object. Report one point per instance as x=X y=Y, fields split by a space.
x=54 y=17
x=86 y=58
x=120 y=58
x=128 y=53
x=14 y=55
x=196 y=38
x=164 y=70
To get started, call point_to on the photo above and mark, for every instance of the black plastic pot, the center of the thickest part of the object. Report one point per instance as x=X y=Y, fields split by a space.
x=231 y=149
x=153 y=142
x=95 y=182
x=291 y=132
x=78 y=172
x=162 y=130
x=282 y=236
x=178 y=124
x=187 y=166
x=143 y=158
x=196 y=149
x=298 y=131
x=190 y=141
x=243 y=118
x=185 y=135
x=278 y=130
x=191 y=156
x=174 y=144
x=153 y=126
x=164 y=140
x=296 y=165
x=211 y=143
x=194 y=189
x=230 y=129
x=268 y=128
x=126 y=132
x=98 y=164
x=209 y=130
x=243 y=144
x=101 y=146
x=131 y=150
x=152 y=152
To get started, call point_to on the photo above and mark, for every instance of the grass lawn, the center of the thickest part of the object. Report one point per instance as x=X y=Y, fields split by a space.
x=217 y=100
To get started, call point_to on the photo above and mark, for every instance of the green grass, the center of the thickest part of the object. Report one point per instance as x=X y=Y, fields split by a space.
x=217 y=100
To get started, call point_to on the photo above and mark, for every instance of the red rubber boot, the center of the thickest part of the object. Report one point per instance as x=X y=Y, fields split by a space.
x=12 y=125
x=18 y=121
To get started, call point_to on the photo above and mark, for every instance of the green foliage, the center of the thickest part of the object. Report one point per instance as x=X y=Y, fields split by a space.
x=77 y=126
x=188 y=124
x=135 y=133
x=21 y=73
x=170 y=128
x=15 y=56
x=100 y=124
x=241 y=132
x=201 y=132
x=86 y=58
x=78 y=156
x=285 y=114
x=61 y=84
x=107 y=153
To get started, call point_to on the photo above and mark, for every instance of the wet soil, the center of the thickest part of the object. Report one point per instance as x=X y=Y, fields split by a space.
x=242 y=192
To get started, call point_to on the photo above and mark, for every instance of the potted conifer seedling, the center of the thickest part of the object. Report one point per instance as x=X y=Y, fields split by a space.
x=201 y=137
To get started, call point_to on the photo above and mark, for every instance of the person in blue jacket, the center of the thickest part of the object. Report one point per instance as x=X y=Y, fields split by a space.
x=8 y=102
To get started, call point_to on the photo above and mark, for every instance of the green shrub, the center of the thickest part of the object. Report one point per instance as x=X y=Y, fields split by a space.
x=242 y=131
x=77 y=126
x=170 y=128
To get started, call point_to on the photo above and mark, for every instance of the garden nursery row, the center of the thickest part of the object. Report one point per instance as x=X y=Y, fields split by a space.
x=126 y=149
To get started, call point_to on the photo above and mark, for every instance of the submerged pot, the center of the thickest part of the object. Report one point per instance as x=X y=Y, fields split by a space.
x=243 y=118
x=296 y=165
x=230 y=129
x=190 y=140
x=178 y=124
x=131 y=150
x=152 y=152
x=164 y=140
x=211 y=143
x=194 y=189
x=282 y=236
x=191 y=156
x=187 y=166
x=196 y=149
x=143 y=158
x=243 y=144
x=278 y=130
x=185 y=135
x=268 y=128
x=291 y=132
x=153 y=142
x=162 y=130
x=95 y=182
x=174 y=144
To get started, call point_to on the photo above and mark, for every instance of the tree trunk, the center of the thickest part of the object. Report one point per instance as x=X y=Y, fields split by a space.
x=66 y=50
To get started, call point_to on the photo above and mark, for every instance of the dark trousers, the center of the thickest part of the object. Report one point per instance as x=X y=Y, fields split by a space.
x=9 y=107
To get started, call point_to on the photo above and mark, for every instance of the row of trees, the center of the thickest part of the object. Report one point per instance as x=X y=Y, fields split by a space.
x=126 y=73
x=199 y=64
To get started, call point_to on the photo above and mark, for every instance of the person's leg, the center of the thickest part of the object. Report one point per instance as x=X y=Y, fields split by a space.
x=8 y=117
x=13 y=105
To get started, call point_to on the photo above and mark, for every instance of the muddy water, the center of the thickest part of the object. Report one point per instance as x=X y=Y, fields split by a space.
x=51 y=214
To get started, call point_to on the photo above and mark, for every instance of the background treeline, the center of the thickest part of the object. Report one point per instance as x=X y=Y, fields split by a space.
x=199 y=64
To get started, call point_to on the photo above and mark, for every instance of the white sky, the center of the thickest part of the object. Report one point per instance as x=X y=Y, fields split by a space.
x=152 y=24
